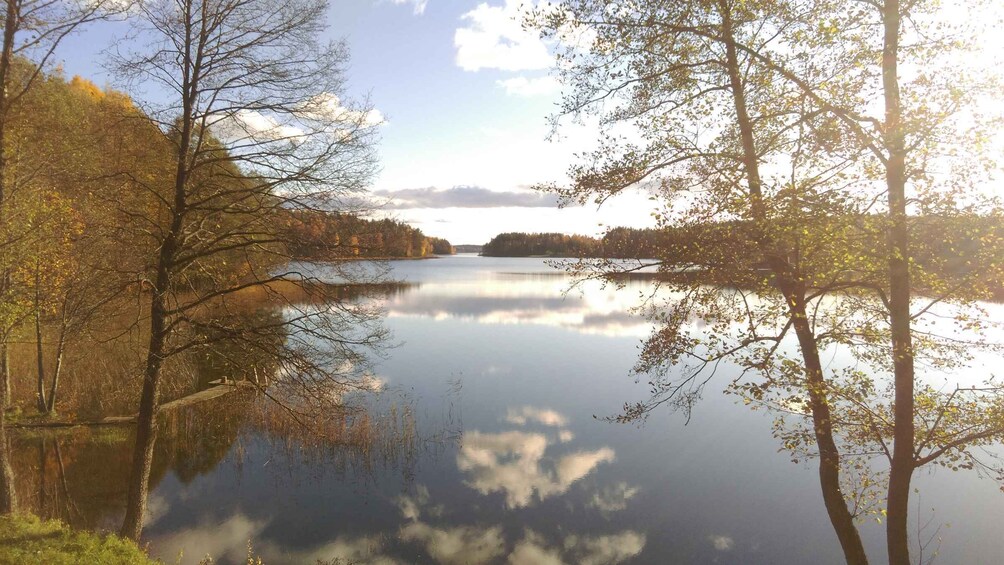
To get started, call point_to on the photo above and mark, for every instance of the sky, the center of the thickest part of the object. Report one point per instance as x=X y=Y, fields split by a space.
x=465 y=94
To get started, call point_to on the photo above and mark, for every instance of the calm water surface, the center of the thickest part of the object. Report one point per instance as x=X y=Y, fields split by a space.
x=508 y=374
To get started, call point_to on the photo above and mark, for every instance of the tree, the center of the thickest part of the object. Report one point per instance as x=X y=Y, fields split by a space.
x=923 y=127
x=675 y=65
x=257 y=127
x=751 y=122
x=32 y=30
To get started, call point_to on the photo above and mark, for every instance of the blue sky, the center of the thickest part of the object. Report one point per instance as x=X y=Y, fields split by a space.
x=465 y=95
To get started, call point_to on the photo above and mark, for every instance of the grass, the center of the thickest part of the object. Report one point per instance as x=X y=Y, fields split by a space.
x=27 y=539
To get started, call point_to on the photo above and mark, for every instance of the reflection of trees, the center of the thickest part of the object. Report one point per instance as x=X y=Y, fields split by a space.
x=193 y=441
x=100 y=367
x=79 y=474
x=76 y=475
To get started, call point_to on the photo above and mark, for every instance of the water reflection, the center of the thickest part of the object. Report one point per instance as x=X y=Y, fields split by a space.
x=516 y=463
x=613 y=498
x=451 y=545
x=517 y=466
x=78 y=477
x=600 y=312
x=534 y=478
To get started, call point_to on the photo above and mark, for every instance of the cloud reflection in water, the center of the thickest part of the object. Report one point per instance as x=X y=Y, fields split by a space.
x=527 y=300
x=516 y=462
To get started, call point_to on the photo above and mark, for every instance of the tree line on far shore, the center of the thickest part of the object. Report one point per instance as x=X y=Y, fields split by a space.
x=948 y=245
x=320 y=235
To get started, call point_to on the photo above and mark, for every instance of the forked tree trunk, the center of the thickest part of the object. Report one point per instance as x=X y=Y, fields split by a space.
x=829 y=456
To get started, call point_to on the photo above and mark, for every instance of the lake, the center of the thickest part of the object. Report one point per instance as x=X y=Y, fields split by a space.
x=507 y=382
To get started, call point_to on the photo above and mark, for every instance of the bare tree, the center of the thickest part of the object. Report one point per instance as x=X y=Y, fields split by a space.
x=253 y=109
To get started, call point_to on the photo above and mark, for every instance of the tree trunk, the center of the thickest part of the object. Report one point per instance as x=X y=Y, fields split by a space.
x=829 y=456
x=8 y=496
x=57 y=367
x=11 y=19
x=822 y=425
x=902 y=465
x=40 y=401
x=40 y=512
x=146 y=423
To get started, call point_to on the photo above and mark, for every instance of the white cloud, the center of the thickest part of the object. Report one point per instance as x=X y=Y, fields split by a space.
x=156 y=508
x=411 y=506
x=544 y=416
x=605 y=550
x=494 y=38
x=463 y=197
x=362 y=550
x=251 y=124
x=532 y=549
x=571 y=468
x=514 y=463
x=529 y=87
x=583 y=550
x=328 y=107
x=722 y=543
x=418 y=6
x=226 y=541
x=457 y=545
x=613 y=498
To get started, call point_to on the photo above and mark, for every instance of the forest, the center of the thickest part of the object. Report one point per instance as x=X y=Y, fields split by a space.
x=319 y=235
x=77 y=152
x=950 y=248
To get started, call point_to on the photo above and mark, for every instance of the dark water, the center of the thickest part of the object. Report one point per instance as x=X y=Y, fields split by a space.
x=503 y=377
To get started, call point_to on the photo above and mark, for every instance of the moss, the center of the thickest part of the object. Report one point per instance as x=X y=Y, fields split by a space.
x=26 y=539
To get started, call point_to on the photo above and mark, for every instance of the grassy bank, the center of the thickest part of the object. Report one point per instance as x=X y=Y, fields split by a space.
x=26 y=539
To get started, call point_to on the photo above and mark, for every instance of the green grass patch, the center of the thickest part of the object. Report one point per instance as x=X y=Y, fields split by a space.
x=26 y=539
